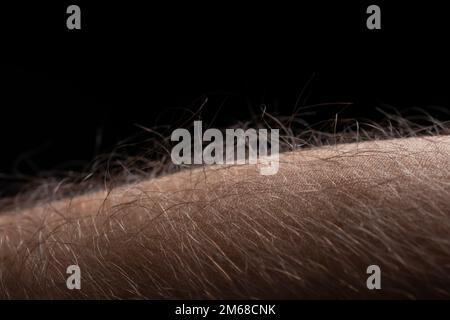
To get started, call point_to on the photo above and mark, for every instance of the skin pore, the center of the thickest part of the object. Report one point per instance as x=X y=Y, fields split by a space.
x=227 y=232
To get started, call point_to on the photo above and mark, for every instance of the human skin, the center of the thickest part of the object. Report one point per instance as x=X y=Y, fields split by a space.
x=227 y=232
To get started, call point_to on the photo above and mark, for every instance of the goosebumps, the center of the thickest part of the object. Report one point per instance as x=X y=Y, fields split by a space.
x=309 y=231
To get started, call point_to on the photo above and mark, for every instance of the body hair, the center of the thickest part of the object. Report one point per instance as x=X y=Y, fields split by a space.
x=342 y=200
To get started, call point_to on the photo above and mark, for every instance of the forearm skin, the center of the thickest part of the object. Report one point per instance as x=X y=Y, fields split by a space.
x=227 y=232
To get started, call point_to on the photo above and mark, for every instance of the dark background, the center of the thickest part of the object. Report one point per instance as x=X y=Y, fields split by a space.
x=69 y=95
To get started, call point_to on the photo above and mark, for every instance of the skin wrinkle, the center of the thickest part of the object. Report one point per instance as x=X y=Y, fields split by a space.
x=310 y=231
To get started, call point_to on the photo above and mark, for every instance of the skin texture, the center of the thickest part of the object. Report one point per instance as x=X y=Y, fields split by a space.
x=310 y=231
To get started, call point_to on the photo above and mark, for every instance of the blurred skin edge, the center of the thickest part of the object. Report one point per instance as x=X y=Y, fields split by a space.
x=310 y=231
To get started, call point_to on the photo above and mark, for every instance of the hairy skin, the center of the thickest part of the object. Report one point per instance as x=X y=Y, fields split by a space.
x=310 y=231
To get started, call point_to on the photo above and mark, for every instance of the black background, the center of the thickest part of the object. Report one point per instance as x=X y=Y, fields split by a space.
x=165 y=309
x=69 y=95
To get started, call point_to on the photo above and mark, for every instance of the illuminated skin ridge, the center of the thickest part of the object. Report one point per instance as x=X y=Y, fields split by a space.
x=310 y=231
